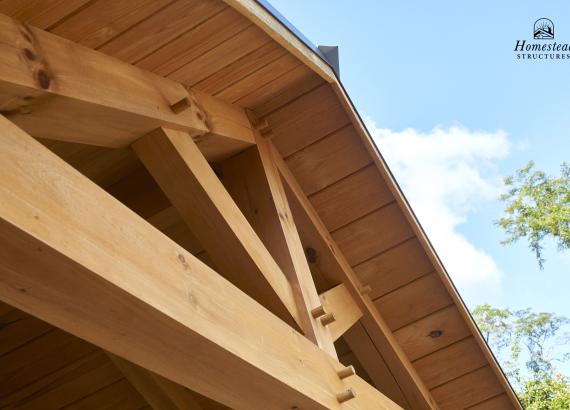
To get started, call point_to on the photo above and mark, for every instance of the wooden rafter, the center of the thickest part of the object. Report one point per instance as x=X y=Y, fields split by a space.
x=331 y=262
x=74 y=256
x=254 y=182
x=187 y=179
x=56 y=89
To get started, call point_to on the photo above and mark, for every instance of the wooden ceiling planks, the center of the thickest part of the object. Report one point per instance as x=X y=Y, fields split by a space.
x=310 y=164
x=432 y=333
x=211 y=46
x=373 y=234
x=471 y=388
x=351 y=197
x=99 y=22
x=450 y=362
x=409 y=303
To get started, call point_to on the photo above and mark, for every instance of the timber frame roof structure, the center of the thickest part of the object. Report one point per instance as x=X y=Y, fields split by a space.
x=194 y=216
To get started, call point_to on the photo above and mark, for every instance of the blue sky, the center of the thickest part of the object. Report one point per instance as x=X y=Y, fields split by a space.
x=454 y=111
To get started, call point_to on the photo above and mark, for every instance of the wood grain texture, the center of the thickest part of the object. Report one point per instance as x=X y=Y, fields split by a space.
x=468 y=390
x=59 y=90
x=312 y=166
x=191 y=185
x=339 y=302
x=40 y=13
x=350 y=198
x=373 y=234
x=500 y=402
x=282 y=90
x=394 y=268
x=330 y=262
x=371 y=359
x=306 y=120
x=255 y=185
x=66 y=246
x=415 y=338
x=160 y=29
x=102 y=20
x=413 y=301
x=451 y=362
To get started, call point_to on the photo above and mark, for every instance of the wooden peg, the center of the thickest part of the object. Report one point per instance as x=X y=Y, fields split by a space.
x=318 y=312
x=346 y=372
x=327 y=319
x=181 y=105
x=345 y=396
x=365 y=290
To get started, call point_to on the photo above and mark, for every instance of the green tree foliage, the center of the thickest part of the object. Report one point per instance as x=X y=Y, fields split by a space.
x=536 y=338
x=546 y=394
x=537 y=207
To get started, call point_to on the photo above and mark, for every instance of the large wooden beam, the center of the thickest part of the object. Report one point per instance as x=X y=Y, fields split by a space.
x=253 y=180
x=191 y=185
x=75 y=257
x=56 y=89
x=330 y=261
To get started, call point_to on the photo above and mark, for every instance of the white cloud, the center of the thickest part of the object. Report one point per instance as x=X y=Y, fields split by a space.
x=447 y=174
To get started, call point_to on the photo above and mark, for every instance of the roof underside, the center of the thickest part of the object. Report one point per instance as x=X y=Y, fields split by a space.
x=212 y=47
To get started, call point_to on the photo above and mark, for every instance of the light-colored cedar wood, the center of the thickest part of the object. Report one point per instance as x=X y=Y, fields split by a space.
x=102 y=20
x=241 y=68
x=160 y=28
x=281 y=91
x=339 y=301
x=119 y=395
x=77 y=258
x=415 y=338
x=56 y=89
x=191 y=185
x=64 y=384
x=350 y=198
x=451 y=362
x=330 y=261
x=41 y=13
x=224 y=121
x=150 y=388
x=306 y=120
x=422 y=238
x=373 y=234
x=500 y=402
x=468 y=390
x=38 y=358
x=373 y=363
x=275 y=29
x=413 y=301
x=231 y=49
x=18 y=328
x=55 y=72
x=311 y=164
x=264 y=75
x=255 y=184
x=394 y=268
x=194 y=43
